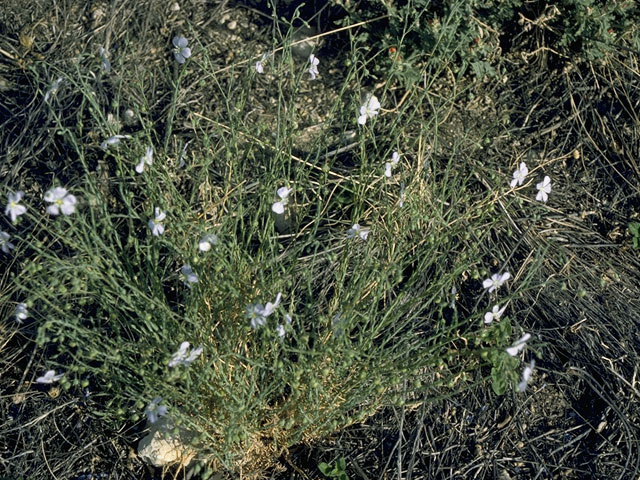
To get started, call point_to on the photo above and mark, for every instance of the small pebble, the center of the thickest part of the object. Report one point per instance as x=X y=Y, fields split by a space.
x=97 y=14
x=129 y=117
x=304 y=42
x=175 y=7
x=232 y=25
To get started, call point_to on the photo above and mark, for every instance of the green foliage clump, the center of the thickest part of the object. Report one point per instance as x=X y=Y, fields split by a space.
x=337 y=471
x=362 y=323
x=473 y=35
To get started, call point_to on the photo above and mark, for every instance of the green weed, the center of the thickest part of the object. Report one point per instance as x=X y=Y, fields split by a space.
x=337 y=471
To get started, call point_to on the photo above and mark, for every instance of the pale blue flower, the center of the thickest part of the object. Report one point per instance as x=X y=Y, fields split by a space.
x=369 y=109
x=283 y=193
x=5 y=245
x=190 y=277
x=49 y=377
x=280 y=330
x=14 y=209
x=21 y=313
x=495 y=314
x=313 y=70
x=61 y=201
x=402 y=196
x=205 y=243
x=357 y=230
x=157 y=228
x=154 y=410
x=257 y=313
x=106 y=65
x=526 y=376
x=183 y=357
x=255 y=316
x=270 y=307
x=517 y=347
x=146 y=159
x=115 y=140
x=519 y=175
x=544 y=189
x=181 y=162
x=260 y=63
x=496 y=281
x=53 y=89
x=395 y=158
x=181 y=52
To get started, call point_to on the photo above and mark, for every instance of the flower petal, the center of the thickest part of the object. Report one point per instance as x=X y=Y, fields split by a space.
x=53 y=210
x=278 y=207
x=179 y=41
x=283 y=192
x=67 y=208
x=54 y=194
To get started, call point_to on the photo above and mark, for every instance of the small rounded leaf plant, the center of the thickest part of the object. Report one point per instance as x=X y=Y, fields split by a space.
x=337 y=471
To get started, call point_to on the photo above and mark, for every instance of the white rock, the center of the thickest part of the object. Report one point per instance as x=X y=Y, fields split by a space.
x=161 y=447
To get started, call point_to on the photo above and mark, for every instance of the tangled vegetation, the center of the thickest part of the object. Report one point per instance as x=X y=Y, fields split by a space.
x=269 y=245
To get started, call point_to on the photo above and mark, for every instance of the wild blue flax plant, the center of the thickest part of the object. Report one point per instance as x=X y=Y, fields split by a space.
x=125 y=274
